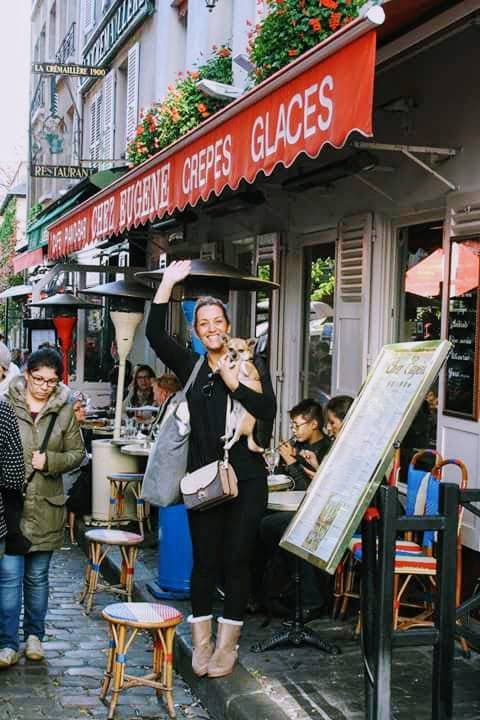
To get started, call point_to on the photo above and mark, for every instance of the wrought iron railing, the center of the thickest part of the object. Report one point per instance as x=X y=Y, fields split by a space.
x=67 y=47
x=38 y=100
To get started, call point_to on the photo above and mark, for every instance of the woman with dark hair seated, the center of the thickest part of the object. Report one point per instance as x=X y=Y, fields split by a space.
x=40 y=402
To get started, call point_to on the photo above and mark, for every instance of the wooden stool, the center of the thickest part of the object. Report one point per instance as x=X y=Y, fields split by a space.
x=124 y=622
x=119 y=484
x=100 y=542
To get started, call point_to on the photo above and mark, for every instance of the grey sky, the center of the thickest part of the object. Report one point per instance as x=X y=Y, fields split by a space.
x=14 y=80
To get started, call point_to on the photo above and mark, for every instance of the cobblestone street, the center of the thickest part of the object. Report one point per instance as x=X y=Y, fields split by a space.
x=66 y=685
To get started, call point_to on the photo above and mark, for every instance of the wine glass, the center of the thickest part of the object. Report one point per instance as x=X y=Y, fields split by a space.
x=272 y=458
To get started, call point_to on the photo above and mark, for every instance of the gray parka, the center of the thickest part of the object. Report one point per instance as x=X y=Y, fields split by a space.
x=43 y=518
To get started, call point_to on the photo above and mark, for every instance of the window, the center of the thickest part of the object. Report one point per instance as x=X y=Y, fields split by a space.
x=462 y=381
x=89 y=16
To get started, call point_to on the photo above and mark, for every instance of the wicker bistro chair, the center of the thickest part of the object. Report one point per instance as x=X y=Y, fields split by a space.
x=100 y=542
x=347 y=577
x=125 y=620
x=120 y=484
x=423 y=567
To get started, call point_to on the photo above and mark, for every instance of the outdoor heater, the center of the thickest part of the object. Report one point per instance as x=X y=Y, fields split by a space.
x=209 y=277
x=63 y=307
x=127 y=300
x=127 y=304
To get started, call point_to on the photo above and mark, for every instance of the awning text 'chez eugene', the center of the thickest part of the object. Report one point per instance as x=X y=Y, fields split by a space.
x=323 y=104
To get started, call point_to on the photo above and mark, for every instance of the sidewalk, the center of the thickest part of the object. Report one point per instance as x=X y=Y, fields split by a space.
x=302 y=683
x=65 y=686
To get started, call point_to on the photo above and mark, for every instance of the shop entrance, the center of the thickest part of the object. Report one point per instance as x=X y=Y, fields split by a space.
x=421 y=282
x=318 y=314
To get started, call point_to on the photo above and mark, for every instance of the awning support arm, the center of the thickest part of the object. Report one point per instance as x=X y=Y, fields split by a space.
x=408 y=151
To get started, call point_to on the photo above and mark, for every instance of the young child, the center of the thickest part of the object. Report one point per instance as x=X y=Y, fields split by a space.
x=310 y=444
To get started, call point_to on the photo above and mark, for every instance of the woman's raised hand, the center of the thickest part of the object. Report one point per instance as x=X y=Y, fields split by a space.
x=174 y=273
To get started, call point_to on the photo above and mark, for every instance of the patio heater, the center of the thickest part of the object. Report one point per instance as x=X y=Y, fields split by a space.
x=207 y=277
x=63 y=308
x=127 y=300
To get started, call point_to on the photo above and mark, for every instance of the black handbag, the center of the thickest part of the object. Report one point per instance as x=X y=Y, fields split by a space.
x=16 y=543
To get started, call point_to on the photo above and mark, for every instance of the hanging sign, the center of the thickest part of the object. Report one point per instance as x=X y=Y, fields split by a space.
x=308 y=105
x=350 y=474
x=72 y=70
x=61 y=172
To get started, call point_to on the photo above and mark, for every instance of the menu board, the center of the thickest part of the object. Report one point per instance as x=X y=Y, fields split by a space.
x=350 y=474
x=461 y=381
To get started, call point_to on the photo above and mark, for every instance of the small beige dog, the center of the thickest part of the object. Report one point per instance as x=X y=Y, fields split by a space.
x=241 y=422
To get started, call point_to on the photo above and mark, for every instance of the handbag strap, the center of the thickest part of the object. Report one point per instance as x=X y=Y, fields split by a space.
x=44 y=443
x=227 y=417
x=193 y=374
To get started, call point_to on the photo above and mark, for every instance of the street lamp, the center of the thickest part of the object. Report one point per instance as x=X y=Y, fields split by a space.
x=63 y=307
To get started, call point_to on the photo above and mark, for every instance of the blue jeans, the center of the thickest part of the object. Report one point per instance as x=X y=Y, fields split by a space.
x=25 y=575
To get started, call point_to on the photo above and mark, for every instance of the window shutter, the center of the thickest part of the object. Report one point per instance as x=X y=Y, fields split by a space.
x=96 y=127
x=132 y=90
x=463 y=214
x=352 y=303
x=108 y=88
x=89 y=22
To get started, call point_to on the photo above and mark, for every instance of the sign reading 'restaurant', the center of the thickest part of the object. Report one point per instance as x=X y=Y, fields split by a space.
x=323 y=104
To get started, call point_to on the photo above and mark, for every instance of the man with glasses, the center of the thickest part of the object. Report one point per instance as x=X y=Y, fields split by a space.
x=306 y=422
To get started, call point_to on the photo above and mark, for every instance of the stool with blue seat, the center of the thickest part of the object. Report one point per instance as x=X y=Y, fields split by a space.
x=125 y=620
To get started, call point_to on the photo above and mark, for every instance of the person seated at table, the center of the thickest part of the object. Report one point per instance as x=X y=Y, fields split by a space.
x=141 y=391
x=77 y=484
x=164 y=387
x=8 y=369
x=306 y=422
x=316 y=585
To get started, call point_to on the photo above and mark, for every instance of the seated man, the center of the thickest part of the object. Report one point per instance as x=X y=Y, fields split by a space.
x=164 y=387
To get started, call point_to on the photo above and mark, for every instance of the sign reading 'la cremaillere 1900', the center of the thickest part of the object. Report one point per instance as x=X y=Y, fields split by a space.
x=320 y=105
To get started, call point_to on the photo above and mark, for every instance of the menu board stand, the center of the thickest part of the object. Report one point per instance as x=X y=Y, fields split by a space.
x=461 y=377
x=352 y=471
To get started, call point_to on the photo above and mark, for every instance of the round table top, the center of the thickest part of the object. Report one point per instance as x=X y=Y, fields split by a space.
x=135 y=449
x=285 y=500
x=121 y=441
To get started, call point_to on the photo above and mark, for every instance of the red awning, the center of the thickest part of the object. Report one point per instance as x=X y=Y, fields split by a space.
x=318 y=99
x=28 y=260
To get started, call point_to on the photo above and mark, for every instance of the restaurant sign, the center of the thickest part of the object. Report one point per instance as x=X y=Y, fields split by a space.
x=68 y=69
x=322 y=104
x=60 y=172
x=118 y=23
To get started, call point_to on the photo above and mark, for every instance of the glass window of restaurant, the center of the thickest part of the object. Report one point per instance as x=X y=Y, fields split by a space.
x=318 y=313
x=422 y=276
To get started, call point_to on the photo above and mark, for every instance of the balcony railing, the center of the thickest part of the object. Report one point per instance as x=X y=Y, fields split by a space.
x=67 y=47
x=38 y=100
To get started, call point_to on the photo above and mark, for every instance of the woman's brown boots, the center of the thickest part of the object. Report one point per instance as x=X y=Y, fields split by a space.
x=203 y=646
x=208 y=659
x=225 y=656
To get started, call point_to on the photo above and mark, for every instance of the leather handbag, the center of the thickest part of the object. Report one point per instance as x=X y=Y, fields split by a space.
x=211 y=484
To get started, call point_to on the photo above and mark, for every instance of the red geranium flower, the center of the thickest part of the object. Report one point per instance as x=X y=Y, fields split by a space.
x=334 y=20
x=331 y=4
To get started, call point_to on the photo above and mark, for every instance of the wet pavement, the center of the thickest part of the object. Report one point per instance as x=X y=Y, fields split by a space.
x=65 y=686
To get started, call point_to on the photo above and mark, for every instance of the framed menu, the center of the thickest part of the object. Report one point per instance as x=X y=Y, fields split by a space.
x=350 y=474
x=461 y=378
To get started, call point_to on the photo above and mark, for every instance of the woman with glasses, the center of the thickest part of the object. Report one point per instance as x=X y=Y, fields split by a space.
x=223 y=537
x=141 y=388
x=41 y=405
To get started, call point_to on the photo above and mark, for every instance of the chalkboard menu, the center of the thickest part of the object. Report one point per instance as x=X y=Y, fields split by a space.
x=461 y=390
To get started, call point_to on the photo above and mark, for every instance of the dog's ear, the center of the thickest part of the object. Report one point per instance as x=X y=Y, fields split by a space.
x=225 y=338
x=251 y=342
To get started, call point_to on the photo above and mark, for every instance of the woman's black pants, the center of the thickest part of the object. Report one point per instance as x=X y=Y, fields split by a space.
x=223 y=540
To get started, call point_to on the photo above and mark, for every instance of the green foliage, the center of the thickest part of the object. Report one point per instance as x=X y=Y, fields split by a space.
x=292 y=27
x=7 y=251
x=34 y=212
x=182 y=109
x=323 y=279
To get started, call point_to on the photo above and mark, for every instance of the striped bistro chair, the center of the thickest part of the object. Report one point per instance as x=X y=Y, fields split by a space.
x=124 y=622
x=422 y=567
x=100 y=542
x=120 y=484
x=347 y=577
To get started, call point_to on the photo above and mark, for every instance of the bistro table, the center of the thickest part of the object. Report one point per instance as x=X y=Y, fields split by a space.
x=297 y=633
x=135 y=449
